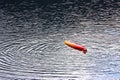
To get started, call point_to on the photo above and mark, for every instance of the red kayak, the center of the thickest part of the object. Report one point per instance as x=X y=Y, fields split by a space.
x=76 y=46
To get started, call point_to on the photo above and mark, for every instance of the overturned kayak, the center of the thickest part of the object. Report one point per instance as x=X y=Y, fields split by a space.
x=76 y=46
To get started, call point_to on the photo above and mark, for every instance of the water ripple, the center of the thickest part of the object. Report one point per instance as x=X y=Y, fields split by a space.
x=31 y=42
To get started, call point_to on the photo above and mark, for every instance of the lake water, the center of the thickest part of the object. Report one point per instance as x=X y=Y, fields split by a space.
x=32 y=38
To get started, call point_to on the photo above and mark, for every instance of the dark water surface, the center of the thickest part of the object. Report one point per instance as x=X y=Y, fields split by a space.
x=32 y=35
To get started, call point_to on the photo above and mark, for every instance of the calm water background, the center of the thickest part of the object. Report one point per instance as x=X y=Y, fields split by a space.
x=32 y=35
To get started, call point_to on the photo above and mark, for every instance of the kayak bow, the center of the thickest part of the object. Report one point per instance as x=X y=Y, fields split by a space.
x=76 y=46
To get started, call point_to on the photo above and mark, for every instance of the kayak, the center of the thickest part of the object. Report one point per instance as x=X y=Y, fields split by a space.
x=76 y=46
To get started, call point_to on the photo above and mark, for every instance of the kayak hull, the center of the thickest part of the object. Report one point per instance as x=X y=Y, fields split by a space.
x=76 y=46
